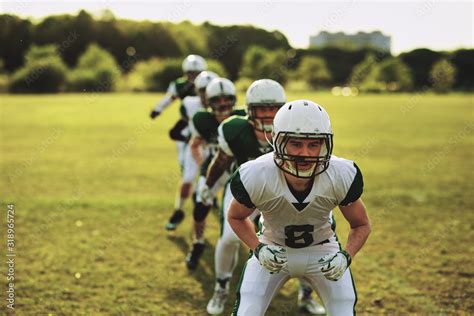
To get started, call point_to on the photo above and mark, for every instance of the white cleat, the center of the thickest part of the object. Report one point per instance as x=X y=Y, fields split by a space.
x=308 y=305
x=217 y=303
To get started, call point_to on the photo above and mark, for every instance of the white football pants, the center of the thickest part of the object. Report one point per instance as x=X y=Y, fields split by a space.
x=257 y=286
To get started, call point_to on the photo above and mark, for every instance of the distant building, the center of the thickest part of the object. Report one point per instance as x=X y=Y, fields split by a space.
x=361 y=39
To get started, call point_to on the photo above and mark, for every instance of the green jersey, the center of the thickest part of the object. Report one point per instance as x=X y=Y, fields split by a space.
x=204 y=124
x=181 y=88
x=236 y=137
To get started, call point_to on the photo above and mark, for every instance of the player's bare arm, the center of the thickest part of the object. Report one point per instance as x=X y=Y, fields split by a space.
x=241 y=224
x=196 y=143
x=356 y=214
x=218 y=166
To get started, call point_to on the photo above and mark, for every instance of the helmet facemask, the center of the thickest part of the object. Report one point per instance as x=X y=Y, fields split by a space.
x=222 y=106
x=191 y=75
x=262 y=123
x=298 y=165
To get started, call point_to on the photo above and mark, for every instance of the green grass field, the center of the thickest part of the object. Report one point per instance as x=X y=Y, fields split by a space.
x=93 y=181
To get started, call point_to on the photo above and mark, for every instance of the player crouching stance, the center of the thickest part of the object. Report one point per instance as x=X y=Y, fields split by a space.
x=295 y=188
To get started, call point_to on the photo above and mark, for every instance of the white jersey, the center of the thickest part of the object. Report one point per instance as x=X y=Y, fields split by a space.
x=288 y=221
x=189 y=107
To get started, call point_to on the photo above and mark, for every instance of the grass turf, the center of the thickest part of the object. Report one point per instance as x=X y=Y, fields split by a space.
x=93 y=181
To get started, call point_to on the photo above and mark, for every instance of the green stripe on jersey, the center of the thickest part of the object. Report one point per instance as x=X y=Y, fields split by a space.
x=356 y=189
x=238 y=190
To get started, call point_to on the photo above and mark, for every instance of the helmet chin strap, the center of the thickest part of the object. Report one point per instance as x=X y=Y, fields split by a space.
x=259 y=125
x=269 y=140
x=267 y=128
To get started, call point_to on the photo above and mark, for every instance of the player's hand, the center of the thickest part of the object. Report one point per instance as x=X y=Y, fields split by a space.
x=154 y=114
x=334 y=265
x=207 y=198
x=273 y=258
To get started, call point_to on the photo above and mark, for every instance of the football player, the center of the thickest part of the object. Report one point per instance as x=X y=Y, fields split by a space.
x=243 y=139
x=295 y=189
x=221 y=98
x=181 y=88
x=191 y=104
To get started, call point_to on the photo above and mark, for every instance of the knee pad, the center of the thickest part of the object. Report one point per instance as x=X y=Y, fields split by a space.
x=200 y=212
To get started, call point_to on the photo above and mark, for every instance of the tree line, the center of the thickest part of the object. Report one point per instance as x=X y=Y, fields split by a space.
x=85 y=53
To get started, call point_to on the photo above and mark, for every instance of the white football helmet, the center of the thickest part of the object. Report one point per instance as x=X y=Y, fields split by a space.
x=264 y=93
x=203 y=79
x=221 y=97
x=194 y=63
x=302 y=120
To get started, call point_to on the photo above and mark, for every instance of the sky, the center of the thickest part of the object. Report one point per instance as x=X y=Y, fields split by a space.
x=435 y=24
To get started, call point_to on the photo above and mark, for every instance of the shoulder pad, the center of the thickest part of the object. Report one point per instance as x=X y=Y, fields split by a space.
x=233 y=126
x=202 y=118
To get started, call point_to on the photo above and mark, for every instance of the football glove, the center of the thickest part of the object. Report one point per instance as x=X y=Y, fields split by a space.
x=207 y=198
x=273 y=258
x=154 y=114
x=334 y=265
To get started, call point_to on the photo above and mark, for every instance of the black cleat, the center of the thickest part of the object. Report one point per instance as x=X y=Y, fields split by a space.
x=175 y=219
x=192 y=259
